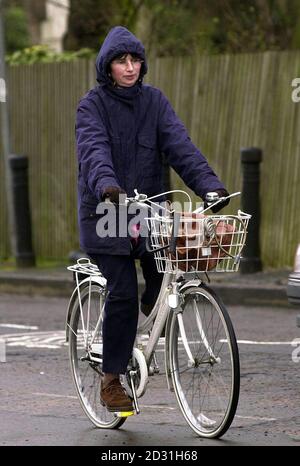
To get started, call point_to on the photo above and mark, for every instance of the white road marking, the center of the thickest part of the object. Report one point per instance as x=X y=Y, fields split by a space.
x=56 y=340
x=54 y=395
x=49 y=340
x=255 y=418
x=250 y=342
x=158 y=407
x=252 y=418
x=27 y=327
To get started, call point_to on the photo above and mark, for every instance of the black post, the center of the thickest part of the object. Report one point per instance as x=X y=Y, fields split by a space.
x=19 y=169
x=5 y=136
x=251 y=158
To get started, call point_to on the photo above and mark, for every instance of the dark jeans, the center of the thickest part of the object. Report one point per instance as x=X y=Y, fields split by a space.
x=122 y=306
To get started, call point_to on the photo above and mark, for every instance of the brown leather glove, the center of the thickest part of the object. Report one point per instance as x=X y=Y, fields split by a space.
x=113 y=193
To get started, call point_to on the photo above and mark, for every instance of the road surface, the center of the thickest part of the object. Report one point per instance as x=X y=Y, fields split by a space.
x=39 y=406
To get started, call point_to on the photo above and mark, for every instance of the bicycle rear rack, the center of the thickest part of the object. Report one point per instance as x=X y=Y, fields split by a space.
x=85 y=267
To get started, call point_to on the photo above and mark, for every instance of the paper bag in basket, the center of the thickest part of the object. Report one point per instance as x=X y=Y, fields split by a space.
x=194 y=246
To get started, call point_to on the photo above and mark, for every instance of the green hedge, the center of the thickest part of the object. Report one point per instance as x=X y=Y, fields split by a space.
x=43 y=54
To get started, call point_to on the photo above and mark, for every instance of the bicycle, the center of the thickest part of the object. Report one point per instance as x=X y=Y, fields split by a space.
x=201 y=354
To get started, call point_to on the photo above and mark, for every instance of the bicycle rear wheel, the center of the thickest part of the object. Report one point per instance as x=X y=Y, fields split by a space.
x=86 y=358
x=207 y=384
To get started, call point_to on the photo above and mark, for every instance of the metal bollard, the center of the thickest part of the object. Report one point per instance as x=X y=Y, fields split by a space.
x=19 y=172
x=251 y=158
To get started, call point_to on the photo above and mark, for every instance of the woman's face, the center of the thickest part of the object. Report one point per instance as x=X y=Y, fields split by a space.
x=125 y=70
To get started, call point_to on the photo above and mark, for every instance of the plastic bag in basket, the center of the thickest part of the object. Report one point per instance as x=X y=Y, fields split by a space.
x=195 y=248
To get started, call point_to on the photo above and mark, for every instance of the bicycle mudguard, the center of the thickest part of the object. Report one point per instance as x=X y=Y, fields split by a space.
x=98 y=280
x=167 y=353
x=190 y=284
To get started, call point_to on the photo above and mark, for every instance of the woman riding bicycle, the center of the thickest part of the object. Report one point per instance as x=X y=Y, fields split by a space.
x=122 y=128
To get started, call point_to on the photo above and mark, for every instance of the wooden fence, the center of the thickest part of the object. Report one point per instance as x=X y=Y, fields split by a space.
x=227 y=102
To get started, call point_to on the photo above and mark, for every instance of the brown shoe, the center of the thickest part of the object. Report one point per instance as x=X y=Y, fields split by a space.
x=115 y=397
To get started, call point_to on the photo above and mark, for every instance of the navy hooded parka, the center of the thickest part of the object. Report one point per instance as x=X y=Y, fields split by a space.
x=121 y=134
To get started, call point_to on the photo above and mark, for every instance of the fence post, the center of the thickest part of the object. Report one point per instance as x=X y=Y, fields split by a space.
x=22 y=220
x=251 y=158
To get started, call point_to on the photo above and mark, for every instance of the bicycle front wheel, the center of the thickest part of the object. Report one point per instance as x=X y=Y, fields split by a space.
x=204 y=362
x=85 y=353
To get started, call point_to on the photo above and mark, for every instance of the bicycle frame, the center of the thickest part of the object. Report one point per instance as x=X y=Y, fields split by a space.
x=160 y=314
x=170 y=288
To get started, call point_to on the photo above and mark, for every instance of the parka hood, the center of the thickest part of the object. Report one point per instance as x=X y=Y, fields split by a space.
x=117 y=42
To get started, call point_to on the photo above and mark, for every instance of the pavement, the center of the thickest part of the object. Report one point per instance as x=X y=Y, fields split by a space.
x=261 y=288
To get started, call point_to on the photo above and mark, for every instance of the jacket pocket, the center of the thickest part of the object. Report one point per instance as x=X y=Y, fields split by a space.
x=148 y=160
x=87 y=210
x=85 y=194
x=146 y=141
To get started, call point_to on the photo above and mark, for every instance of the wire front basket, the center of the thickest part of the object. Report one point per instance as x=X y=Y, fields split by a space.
x=202 y=243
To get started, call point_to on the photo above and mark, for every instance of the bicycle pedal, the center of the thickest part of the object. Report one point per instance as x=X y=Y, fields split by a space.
x=125 y=413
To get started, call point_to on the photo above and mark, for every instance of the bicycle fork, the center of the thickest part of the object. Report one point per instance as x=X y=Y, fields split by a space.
x=175 y=300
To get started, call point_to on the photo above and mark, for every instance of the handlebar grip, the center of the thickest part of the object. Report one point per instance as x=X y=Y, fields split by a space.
x=211 y=197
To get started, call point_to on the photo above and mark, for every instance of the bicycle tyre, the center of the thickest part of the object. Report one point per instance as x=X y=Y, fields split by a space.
x=208 y=393
x=86 y=373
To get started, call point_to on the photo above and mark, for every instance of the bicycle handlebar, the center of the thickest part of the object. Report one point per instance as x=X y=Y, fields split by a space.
x=141 y=199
